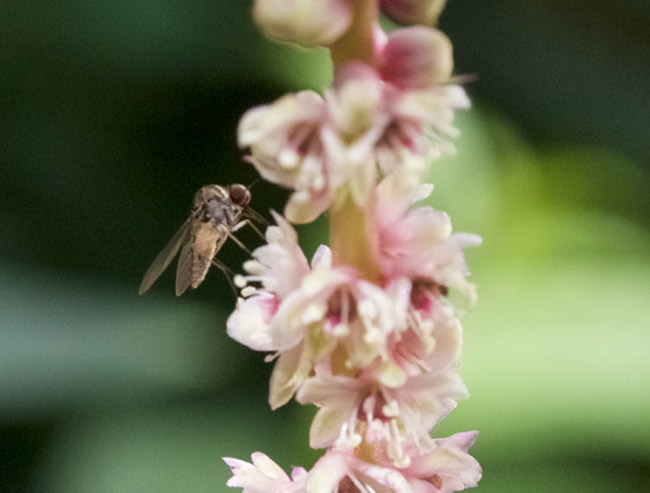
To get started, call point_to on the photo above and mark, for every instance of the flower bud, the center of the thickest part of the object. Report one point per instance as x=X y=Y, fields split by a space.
x=416 y=57
x=413 y=11
x=306 y=22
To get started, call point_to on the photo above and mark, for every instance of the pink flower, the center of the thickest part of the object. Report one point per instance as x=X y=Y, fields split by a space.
x=378 y=407
x=417 y=63
x=369 y=124
x=357 y=111
x=397 y=118
x=264 y=476
x=445 y=467
x=432 y=341
x=342 y=472
x=303 y=314
x=280 y=315
x=420 y=128
x=286 y=148
x=418 y=247
x=419 y=244
x=416 y=58
x=319 y=147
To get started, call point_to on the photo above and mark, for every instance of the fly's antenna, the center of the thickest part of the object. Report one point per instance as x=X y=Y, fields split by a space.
x=228 y=273
x=255 y=182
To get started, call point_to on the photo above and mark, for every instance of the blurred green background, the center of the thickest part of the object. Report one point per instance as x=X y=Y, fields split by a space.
x=113 y=112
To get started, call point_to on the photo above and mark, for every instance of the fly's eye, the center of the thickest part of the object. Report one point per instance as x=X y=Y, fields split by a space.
x=239 y=195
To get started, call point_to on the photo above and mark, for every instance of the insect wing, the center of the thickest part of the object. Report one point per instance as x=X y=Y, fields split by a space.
x=164 y=258
x=184 y=269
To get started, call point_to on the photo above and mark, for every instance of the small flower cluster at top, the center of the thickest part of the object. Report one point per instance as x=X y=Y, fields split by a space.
x=365 y=331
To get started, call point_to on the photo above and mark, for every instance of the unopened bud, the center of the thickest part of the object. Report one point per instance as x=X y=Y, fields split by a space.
x=413 y=11
x=417 y=57
x=306 y=22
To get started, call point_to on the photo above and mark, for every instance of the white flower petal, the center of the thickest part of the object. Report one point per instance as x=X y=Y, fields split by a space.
x=322 y=259
x=249 y=323
x=327 y=473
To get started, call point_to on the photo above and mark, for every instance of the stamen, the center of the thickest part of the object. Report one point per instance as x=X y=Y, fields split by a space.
x=368 y=407
x=403 y=462
x=395 y=450
x=255 y=278
x=248 y=291
x=372 y=335
x=288 y=159
x=427 y=326
x=391 y=409
x=341 y=330
x=301 y=196
x=347 y=438
x=240 y=281
x=254 y=267
x=274 y=234
x=318 y=183
x=314 y=312
x=367 y=309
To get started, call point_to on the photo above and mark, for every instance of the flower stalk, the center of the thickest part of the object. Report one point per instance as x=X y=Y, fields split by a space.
x=357 y=43
x=350 y=226
x=351 y=239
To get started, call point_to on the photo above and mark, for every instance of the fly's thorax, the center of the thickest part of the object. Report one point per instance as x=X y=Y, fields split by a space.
x=221 y=213
x=212 y=204
x=210 y=193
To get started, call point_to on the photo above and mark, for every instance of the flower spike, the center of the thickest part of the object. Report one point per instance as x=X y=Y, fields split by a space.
x=366 y=331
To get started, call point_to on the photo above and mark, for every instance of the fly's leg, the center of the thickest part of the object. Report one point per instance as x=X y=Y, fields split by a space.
x=237 y=227
x=250 y=223
x=237 y=241
x=256 y=229
x=228 y=272
x=240 y=225
x=256 y=220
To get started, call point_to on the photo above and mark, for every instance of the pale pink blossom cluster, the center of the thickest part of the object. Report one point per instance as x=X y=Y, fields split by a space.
x=374 y=121
x=365 y=331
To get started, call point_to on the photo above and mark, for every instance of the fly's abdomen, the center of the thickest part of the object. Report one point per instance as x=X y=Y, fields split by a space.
x=207 y=242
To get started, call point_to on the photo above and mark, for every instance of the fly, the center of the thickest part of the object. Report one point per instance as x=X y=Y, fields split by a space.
x=217 y=213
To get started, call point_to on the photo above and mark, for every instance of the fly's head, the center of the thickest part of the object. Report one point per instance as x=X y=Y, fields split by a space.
x=239 y=195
